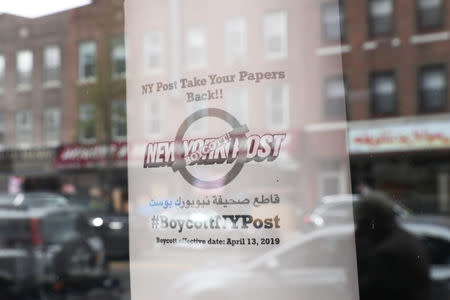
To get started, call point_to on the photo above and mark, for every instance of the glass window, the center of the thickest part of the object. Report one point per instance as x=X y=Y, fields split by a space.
x=335 y=94
x=87 y=56
x=433 y=88
x=237 y=104
x=52 y=65
x=2 y=73
x=118 y=57
x=88 y=127
x=119 y=120
x=24 y=127
x=430 y=14
x=275 y=35
x=154 y=122
x=195 y=47
x=383 y=90
x=381 y=13
x=333 y=22
x=24 y=69
x=235 y=40
x=277 y=109
x=153 y=52
x=52 y=124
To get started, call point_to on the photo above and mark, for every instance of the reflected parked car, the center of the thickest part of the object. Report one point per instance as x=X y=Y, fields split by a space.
x=34 y=199
x=47 y=249
x=338 y=209
x=110 y=225
x=317 y=265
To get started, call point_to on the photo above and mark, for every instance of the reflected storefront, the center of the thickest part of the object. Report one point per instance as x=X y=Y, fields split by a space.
x=22 y=163
x=407 y=158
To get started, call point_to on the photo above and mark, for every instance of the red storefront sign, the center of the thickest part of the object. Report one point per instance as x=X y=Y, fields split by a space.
x=91 y=156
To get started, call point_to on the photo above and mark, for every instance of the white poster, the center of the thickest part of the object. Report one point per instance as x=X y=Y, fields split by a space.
x=221 y=170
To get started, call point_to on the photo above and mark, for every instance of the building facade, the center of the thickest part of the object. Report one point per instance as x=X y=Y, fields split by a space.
x=383 y=63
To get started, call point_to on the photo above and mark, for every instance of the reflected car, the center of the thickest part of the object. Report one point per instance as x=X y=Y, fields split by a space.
x=111 y=226
x=38 y=199
x=338 y=209
x=47 y=249
x=316 y=265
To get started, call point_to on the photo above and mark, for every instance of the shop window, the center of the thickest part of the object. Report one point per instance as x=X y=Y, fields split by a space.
x=52 y=65
x=430 y=14
x=333 y=22
x=118 y=57
x=24 y=69
x=153 y=52
x=235 y=40
x=433 y=88
x=119 y=120
x=24 y=128
x=383 y=93
x=237 y=104
x=2 y=130
x=88 y=127
x=275 y=35
x=2 y=73
x=195 y=47
x=87 y=56
x=381 y=14
x=277 y=107
x=335 y=94
x=154 y=113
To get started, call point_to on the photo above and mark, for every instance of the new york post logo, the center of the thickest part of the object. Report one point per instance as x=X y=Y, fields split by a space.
x=236 y=147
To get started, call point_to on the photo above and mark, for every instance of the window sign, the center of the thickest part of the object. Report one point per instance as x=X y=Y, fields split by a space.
x=221 y=165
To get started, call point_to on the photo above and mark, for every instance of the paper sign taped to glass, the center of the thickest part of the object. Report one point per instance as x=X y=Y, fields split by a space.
x=230 y=148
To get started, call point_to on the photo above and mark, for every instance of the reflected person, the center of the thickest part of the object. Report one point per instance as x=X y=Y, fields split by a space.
x=392 y=264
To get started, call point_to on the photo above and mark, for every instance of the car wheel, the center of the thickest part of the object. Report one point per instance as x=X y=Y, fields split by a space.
x=75 y=258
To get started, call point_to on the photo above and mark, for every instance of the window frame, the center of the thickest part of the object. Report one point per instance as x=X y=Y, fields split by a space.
x=81 y=130
x=230 y=58
x=117 y=40
x=420 y=70
x=151 y=117
x=371 y=33
x=87 y=79
x=420 y=27
x=204 y=61
x=21 y=87
x=325 y=112
x=284 y=37
x=19 y=129
x=372 y=76
x=45 y=136
x=115 y=137
x=150 y=49
x=55 y=82
x=285 y=105
x=343 y=33
x=244 y=107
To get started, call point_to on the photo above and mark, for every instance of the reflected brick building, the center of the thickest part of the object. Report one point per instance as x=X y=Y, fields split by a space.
x=382 y=62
